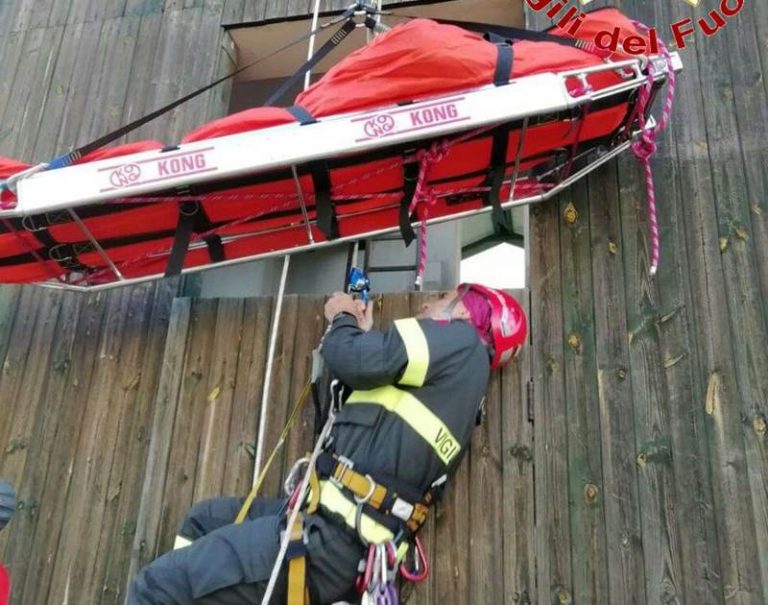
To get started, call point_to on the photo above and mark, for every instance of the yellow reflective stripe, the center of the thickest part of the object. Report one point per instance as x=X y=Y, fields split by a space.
x=418 y=352
x=181 y=542
x=332 y=498
x=418 y=416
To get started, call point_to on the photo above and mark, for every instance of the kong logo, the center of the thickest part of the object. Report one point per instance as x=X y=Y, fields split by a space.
x=124 y=175
x=434 y=115
x=567 y=15
x=380 y=125
x=157 y=169
x=181 y=165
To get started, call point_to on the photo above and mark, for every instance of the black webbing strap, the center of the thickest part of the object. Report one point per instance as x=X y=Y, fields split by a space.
x=322 y=52
x=410 y=178
x=67 y=159
x=326 y=212
x=203 y=224
x=302 y=116
x=192 y=219
x=495 y=178
x=184 y=229
x=65 y=255
x=504 y=60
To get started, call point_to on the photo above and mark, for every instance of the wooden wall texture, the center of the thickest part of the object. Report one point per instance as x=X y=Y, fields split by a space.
x=650 y=395
x=121 y=410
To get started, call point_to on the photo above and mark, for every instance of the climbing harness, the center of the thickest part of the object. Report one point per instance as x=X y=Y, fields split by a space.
x=293 y=535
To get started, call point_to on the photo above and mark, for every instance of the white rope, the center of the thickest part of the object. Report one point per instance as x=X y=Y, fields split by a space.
x=311 y=50
x=280 y=296
x=268 y=370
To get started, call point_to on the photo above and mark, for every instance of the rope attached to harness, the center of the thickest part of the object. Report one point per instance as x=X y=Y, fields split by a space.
x=646 y=146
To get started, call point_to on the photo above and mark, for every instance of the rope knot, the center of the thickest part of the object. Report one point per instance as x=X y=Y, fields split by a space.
x=434 y=154
x=424 y=197
x=644 y=147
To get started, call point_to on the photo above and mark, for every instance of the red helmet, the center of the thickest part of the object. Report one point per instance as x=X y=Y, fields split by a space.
x=508 y=324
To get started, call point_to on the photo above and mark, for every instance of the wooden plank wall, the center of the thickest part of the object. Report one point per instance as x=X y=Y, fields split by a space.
x=79 y=376
x=650 y=393
x=121 y=410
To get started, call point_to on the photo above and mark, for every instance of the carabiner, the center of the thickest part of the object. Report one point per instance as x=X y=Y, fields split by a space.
x=421 y=565
x=386 y=594
x=384 y=570
x=364 y=579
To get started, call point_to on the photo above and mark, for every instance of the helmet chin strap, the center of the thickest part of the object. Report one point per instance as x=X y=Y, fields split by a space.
x=447 y=313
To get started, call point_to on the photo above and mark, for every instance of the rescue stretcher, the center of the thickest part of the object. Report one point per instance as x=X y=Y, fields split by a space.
x=274 y=181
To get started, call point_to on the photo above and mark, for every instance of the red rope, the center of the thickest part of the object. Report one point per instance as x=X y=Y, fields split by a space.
x=424 y=197
x=645 y=146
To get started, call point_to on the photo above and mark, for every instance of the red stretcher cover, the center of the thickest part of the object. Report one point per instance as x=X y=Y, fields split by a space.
x=413 y=61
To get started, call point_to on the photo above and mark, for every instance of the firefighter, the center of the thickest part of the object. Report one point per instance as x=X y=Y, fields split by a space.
x=417 y=391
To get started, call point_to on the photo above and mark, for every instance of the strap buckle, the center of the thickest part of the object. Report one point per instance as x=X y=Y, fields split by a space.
x=343 y=466
x=371 y=489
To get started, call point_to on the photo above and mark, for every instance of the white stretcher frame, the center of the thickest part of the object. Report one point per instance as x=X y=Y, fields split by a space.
x=148 y=173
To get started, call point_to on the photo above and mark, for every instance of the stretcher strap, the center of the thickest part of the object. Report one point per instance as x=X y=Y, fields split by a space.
x=25 y=245
x=192 y=218
x=495 y=179
x=302 y=116
x=343 y=32
x=411 y=171
x=504 y=60
x=327 y=221
x=64 y=255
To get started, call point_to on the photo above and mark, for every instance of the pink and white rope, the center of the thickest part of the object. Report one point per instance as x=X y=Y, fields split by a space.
x=645 y=146
x=424 y=197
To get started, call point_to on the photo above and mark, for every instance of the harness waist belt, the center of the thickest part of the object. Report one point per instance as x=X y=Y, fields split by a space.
x=334 y=501
x=365 y=489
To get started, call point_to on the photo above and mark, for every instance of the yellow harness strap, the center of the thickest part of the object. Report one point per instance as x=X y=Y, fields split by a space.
x=298 y=592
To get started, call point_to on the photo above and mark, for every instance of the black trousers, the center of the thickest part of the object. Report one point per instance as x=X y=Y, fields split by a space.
x=230 y=564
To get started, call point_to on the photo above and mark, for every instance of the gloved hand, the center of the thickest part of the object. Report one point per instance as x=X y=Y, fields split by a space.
x=339 y=302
